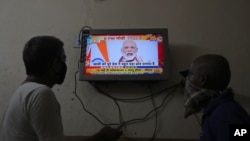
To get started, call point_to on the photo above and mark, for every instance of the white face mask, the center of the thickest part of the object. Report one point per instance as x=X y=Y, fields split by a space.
x=196 y=98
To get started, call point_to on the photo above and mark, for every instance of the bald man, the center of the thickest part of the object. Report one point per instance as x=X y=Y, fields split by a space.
x=129 y=52
x=206 y=89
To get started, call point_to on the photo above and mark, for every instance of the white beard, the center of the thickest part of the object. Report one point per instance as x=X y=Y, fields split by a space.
x=128 y=56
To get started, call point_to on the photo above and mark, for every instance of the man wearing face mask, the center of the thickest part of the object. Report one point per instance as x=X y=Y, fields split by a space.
x=206 y=89
x=33 y=113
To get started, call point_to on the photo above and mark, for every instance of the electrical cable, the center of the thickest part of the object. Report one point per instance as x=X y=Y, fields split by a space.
x=155 y=109
x=153 y=94
x=133 y=99
x=156 y=114
x=114 y=99
x=84 y=107
x=151 y=111
x=80 y=33
x=125 y=123
x=75 y=91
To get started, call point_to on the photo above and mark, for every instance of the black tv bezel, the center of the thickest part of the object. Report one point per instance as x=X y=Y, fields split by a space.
x=124 y=77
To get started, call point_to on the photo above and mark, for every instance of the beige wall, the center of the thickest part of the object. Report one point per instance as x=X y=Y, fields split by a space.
x=195 y=27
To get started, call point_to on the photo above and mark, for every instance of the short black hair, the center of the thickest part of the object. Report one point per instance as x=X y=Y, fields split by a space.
x=39 y=53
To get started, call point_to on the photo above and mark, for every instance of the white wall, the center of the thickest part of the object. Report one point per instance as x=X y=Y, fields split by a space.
x=195 y=27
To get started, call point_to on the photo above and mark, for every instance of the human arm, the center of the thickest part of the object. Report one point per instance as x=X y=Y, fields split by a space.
x=44 y=115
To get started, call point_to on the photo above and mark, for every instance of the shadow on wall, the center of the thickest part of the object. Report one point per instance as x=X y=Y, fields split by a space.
x=181 y=56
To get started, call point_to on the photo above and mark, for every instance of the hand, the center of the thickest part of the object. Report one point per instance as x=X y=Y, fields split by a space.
x=139 y=59
x=108 y=134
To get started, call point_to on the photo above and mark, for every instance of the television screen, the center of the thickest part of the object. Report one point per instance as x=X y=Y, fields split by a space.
x=124 y=54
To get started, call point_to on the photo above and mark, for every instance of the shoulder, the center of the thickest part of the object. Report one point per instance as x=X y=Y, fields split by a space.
x=37 y=93
x=229 y=112
x=33 y=86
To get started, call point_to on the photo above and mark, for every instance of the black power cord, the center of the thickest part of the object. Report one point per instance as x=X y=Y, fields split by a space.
x=156 y=114
x=80 y=33
x=84 y=107
x=123 y=123
x=154 y=110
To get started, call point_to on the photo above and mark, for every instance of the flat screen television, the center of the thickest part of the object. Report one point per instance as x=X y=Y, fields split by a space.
x=124 y=55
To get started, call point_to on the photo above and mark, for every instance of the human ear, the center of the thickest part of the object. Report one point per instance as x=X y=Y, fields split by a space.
x=199 y=79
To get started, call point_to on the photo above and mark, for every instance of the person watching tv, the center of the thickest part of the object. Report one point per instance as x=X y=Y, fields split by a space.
x=33 y=113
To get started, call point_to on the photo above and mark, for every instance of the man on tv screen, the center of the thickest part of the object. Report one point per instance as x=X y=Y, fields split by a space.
x=129 y=52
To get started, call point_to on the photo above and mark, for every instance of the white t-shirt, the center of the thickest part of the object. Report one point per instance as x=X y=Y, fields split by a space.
x=33 y=114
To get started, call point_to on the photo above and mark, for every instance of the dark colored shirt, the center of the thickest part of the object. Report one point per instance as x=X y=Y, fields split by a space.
x=219 y=114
